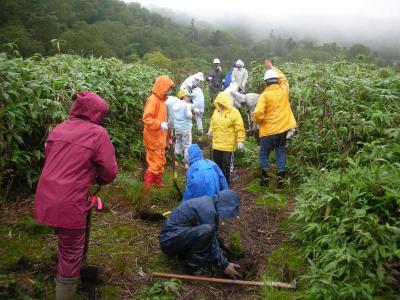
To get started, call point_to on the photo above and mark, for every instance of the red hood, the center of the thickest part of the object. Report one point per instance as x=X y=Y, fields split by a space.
x=89 y=106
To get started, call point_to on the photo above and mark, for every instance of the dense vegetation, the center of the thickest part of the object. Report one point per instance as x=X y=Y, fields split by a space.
x=347 y=153
x=37 y=95
x=112 y=28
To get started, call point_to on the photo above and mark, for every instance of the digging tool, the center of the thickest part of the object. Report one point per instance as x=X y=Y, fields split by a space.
x=89 y=272
x=150 y=216
x=171 y=143
x=276 y=284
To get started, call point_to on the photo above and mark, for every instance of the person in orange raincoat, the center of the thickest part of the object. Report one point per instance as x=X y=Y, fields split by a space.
x=155 y=130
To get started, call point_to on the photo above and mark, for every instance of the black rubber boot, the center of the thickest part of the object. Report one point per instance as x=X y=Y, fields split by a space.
x=280 y=180
x=264 y=178
x=196 y=265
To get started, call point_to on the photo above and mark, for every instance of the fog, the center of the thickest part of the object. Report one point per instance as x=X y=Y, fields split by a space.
x=344 y=21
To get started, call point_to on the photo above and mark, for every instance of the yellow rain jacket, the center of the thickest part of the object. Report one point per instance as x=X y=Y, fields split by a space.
x=273 y=112
x=227 y=125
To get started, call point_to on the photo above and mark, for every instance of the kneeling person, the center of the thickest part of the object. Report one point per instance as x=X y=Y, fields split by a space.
x=191 y=230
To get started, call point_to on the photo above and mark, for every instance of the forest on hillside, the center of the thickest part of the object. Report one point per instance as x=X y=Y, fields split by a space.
x=113 y=28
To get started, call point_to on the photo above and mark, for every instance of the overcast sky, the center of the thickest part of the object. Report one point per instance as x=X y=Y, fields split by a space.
x=346 y=20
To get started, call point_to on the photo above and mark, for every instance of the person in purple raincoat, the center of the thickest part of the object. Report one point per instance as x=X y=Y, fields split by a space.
x=78 y=153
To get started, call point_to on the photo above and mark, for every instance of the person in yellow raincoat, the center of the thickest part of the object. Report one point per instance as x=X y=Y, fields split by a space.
x=275 y=117
x=227 y=132
x=155 y=130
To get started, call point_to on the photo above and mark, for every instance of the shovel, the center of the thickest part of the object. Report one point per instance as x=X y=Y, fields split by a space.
x=172 y=154
x=89 y=272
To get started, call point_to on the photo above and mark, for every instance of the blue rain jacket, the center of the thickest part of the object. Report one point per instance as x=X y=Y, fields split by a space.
x=228 y=79
x=199 y=211
x=203 y=177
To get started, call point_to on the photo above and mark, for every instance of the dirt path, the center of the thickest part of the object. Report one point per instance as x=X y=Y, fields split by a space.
x=126 y=249
x=259 y=234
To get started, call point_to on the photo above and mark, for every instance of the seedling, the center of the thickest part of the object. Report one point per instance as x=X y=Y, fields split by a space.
x=236 y=249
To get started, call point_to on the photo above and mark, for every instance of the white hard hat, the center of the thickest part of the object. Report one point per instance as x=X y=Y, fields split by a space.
x=239 y=63
x=216 y=61
x=270 y=74
x=199 y=76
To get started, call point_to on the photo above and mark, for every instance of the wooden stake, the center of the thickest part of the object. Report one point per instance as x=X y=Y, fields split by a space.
x=277 y=284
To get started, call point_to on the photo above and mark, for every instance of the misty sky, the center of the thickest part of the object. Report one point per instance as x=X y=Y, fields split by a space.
x=367 y=21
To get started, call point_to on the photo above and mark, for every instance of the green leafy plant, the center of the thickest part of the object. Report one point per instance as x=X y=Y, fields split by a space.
x=236 y=249
x=346 y=153
x=165 y=290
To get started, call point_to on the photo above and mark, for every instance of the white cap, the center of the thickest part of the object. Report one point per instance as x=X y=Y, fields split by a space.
x=199 y=76
x=239 y=63
x=270 y=74
x=216 y=61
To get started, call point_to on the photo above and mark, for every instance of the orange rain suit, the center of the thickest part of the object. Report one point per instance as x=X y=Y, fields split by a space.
x=155 y=112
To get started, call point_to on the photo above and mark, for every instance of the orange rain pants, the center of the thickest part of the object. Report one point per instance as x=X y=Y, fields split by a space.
x=155 y=160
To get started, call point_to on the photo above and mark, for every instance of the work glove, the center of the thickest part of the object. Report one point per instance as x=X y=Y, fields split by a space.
x=240 y=146
x=290 y=133
x=164 y=126
x=95 y=200
x=196 y=111
x=210 y=134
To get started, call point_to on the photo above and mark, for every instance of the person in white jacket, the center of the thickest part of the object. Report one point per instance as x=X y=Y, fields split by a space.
x=192 y=82
x=240 y=76
x=171 y=101
x=197 y=96
x=183 y=125
x=191 y=85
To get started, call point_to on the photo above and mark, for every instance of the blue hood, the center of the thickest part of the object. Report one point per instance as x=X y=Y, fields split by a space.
x=227 y=204
x=195 y=153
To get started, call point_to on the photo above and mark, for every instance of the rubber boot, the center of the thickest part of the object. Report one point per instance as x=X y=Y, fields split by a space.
x=148 y=178
x=264 y=177
x=280 y=180
x=66 y=288
x=158 y=180
x=196 y=265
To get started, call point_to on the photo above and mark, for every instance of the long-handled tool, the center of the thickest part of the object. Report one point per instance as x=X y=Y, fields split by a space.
x=276 y=284
x=171 y=143
x=89 y=272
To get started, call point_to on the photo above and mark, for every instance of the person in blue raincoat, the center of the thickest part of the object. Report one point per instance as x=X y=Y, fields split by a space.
x=191 y=233
x=228 y=77
x=203 y=177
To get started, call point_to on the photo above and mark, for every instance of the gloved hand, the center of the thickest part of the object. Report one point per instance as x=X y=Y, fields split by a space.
x=290 y=133
x=210 y=78
x=164 y=126
x=240 y=146
x=196 y=111
x=210 y=134
x=93 y=200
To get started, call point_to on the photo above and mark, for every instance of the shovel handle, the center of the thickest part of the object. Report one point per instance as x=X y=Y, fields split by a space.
x=229 y=281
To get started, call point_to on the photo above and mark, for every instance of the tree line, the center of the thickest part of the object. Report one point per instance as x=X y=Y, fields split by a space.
x=112 y=28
